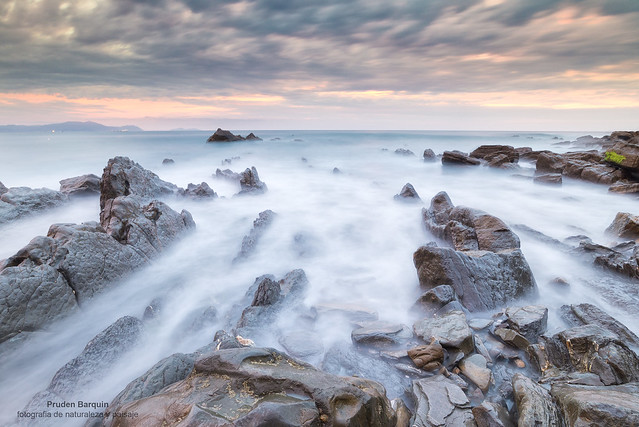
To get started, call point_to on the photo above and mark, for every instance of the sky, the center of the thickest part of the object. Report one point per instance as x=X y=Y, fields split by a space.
x=322 y=64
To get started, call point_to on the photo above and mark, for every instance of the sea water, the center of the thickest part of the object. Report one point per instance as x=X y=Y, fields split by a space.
x=353 y=240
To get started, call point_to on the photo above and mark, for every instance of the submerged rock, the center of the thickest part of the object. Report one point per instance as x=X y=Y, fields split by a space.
x=250 y=241
x=624 y=187
x=408 y=193
x=429 y=155
x=199 y=191
x=251 y=386
x=17 y=202
x=168 y=162
x=227 y=174
x=250 y=182
x=404 y=152
x=80 y=185
x=458 y=158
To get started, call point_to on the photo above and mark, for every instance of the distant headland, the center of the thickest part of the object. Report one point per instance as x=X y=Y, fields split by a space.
x=69 y=127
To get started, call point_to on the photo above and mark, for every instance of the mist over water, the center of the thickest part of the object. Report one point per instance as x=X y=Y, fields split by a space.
x=354 y=241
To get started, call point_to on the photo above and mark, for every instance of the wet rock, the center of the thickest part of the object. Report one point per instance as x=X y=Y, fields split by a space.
x=80 y=185
x=482 y=280
x=227 y=174
x=490 y=414
x=154 y=309
x=429 y=155
x=250 y=182
x=18 y=202
x=124 y=177
x=404 y=152
x=352 y=312
x=478 y=324
x=381 y=334
x=267 y=293
x=530 y=321
x=199 y=191
x=505 y=153
x=408 y=193
x=548 y=178
x=598 y=406
x=481 y=349
x=94 y=363
x=168 y=162
x=451 y=330
x=221 y=135
x=436 y=298
x=250 y=241
x=440 y=402
x=548 y=162
x=534 y=404
x=512 y=338
x=474 y=368
x=624 y=187
x=224 y=340
x=404 y=414
x=588 y=314
x=625 y=225
x=427 y=357
x=458 y=158
x=3 y=189
x=252 y=137
x=302 y=344
x=625 y=153
x=253 y=386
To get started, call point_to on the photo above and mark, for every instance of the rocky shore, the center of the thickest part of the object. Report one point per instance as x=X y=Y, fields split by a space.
x=479 y=354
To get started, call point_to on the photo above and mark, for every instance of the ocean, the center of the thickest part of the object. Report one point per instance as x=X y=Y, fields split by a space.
x=353 y=240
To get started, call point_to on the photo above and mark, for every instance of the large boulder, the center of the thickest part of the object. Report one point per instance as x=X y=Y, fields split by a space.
x=408 y=193
x=458 y=158
x=625 y=153
x=222 y=135
x=81 y=185
x=584 y=405
x=482 y=280
x=534 y=404
x=496 y=155
x=530 y=321
x=258 y=386
x=588 y=314
x=17 y=202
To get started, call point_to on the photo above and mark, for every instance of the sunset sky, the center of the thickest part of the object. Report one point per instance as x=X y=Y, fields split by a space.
x=323 y=64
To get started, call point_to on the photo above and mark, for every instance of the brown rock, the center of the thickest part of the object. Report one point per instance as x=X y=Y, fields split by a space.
x=625 y=225
x=427 y=357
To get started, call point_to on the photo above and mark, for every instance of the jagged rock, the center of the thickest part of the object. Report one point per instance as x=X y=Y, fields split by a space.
x=404 y=152
x=268 y=293
x=440 y=402
x=408 y=193
x=458 y=158
x=621 y=258
x=548 y=162
x=451 y=330
x=3 y=189
x=427 y=357
x=482 y=280
x=490 y=414
x=548 y=178
x=584 y=405
x=534 y=404
x=627 y=153
x=252 y=137
x=624 y=187
x=221 y=135
x=80 y=185
x=94 y=363
x=124 y=177
x=512 y=338
x=490 y=153
x=227 y=174
x=588 y=314
x=381 y=334
x=253 y=386
x=250 y=182
x=429 y=155
x=199 y=191
x=530 y=321
x=625 y=225
x=436 y=298
x=17 y=202
x=260 y=225
x=474 y=368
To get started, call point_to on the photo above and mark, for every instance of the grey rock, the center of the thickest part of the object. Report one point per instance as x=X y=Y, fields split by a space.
x=439 y=402
x=451 y=330
x=535 y=404
x=168 y=162
x=3 y=189
x=381 y=334
x=250 y=241
x=80 y=185
x=530 y=321
x=429 y=155
x=352 y=312
x=408 y=193
x=490 y=414
x=267 y=293
x=18 y=202
x=512 y=338
x=336 y=171
x=250 y=182
x=404 y=152
x=302 y=344
x=252 y=137
x=588 y=314
x=436 y=298
x=227 y=174
x=474 y=368
x=221 y=135
x=199 y=191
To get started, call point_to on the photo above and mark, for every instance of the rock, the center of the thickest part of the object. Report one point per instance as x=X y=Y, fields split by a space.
x=250 y=241
x=602 y=174
x=199 y=191
x=530 y=321
x=250 y=182
x=534 y=404
x=490 y=414
x=408 y=193
x=624 y=187
x=427 y=357
x=381 y=334
x=625 y=225
x=598 y=406
x=474 y=368
x=227 y=174
x=17 y=202
x=491 y=152
x=98 y=357
x=482 y=280
x=458 y=158
x=548 y=178
x=625 y=153
x=512 y=338
x=302 y=343
x=439 y=402
x=3 y=189
x=404 y=414
x=336 y=171
x=451 y=330
x=621 y=258
x=252 y=137
x=429 y=155
x=80 y=185
x=168 y=162
x=588 y=314
x=404 y=152
x=436 y=298
x=221 y=135
x=549 y=162
x=352 y=312
x=255 y=386
x=124 y=177
x=268 y=293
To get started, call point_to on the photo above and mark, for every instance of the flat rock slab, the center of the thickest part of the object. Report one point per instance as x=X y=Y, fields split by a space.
x=451 y=330
x=381 y=334
x=441 y=402
x=474 y=367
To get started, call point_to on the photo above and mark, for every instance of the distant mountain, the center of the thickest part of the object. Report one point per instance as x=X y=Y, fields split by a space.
x=69 y=127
